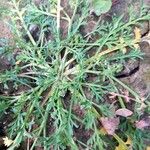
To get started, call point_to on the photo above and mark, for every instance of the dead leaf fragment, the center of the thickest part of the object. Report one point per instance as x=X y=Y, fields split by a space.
x=127 y=97
x=124 y=112
x=137 y=33
x=129 y=141
x=121 y=147
x=148 y=148
x=142 y=124
x=7 y=141
x=124 y=94
x=18 y=62
x=124 y=50
x=124 y=145
x=103 y=131
x=136 y=46
x=110 y=124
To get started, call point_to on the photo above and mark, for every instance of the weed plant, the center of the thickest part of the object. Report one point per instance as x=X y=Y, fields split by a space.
x=55 y=76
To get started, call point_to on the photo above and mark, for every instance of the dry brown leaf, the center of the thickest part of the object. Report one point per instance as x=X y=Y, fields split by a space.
x=127 y=97
x=121 y=147
x=124 y=50
x=136 y=46
x=124 y=112
x=124 y=145
x=137 y=33
x=103 y=131
x=124 y=94
x=18 y=62
x=112 y=95
x=142 y=124
x=7 y=141
x=110 y=124
x=129 y=141
x=148 y=148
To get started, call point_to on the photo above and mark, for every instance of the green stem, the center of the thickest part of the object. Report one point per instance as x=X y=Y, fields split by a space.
x=137 y=98
x=23 y=23
x=72 y=18
x=58 y=16
x=96 y=57
x=119 y=98
x=42 y=125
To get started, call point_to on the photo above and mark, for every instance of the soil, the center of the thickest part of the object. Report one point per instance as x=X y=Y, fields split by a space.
x=140 y=80
x=136 y=74
x=5 y=32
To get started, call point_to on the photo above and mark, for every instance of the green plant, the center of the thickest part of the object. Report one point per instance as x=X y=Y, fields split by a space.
x=55 y=101
x=101 y=6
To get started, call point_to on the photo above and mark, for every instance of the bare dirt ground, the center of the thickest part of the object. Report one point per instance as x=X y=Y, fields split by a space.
x=4 y=29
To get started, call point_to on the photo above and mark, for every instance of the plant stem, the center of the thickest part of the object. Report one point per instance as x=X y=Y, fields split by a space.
x=137 y=99
x=23 y=23
x=72 y=18
x=119 y=98
x=58 y=15
x=52 y=15
x=96 y=57
x=42 y=126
